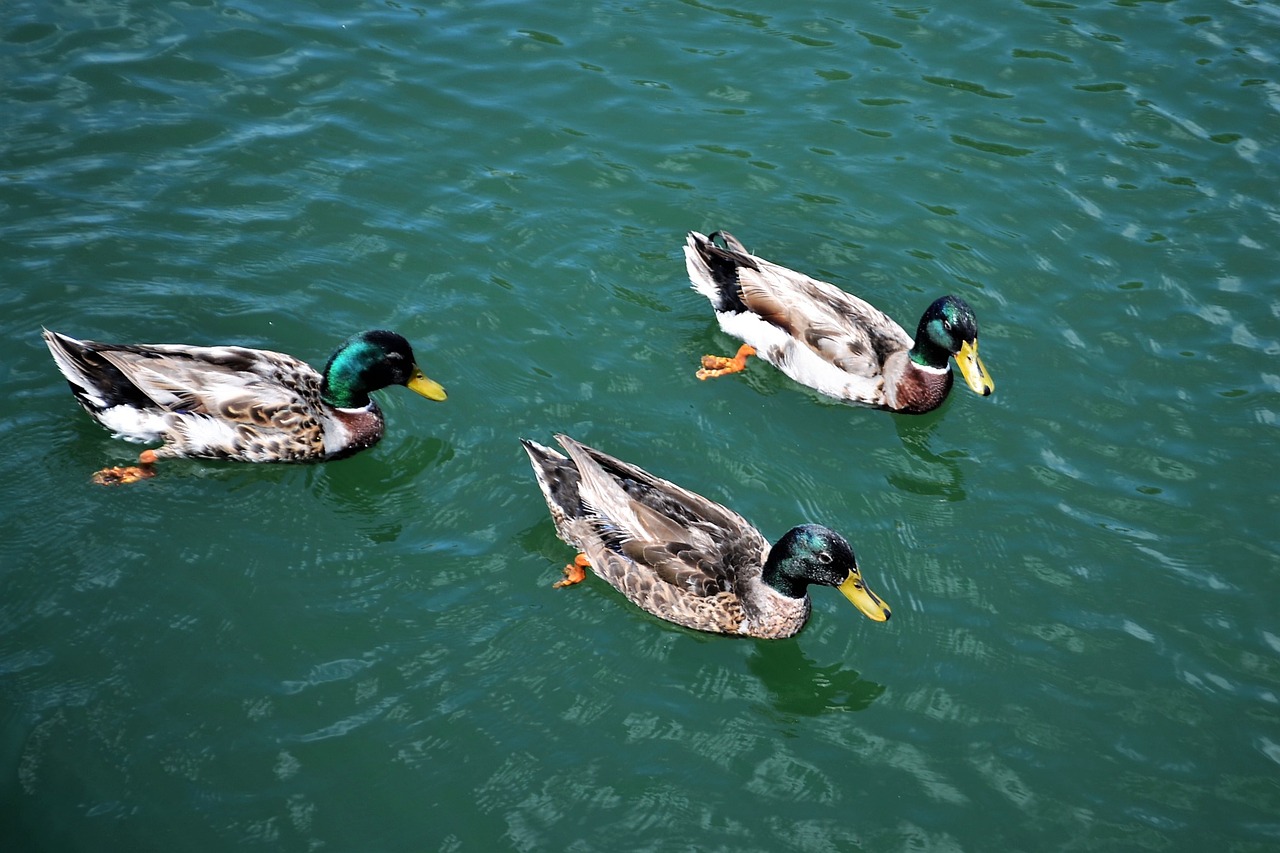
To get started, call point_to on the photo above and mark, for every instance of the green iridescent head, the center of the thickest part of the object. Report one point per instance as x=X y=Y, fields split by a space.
x=812 y=553
x=948 y=328
x=368 y=362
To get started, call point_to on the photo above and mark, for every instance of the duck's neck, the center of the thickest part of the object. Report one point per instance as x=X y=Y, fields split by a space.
x=926 y=353
x=780 y=573
x=355 y=368
x=343 y=386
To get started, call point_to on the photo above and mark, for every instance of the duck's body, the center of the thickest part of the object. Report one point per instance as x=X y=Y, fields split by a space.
x=687 y=559
x=229 y=402
x=828 y=339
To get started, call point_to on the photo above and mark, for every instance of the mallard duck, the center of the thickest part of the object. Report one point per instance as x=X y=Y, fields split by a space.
x=828 y=339
x=229 y=402
x=684 y=558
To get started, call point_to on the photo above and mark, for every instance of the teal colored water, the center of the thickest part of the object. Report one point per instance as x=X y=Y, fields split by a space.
x=369 y=655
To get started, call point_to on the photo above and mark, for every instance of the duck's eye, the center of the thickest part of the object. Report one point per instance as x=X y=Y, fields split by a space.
x=824 y=557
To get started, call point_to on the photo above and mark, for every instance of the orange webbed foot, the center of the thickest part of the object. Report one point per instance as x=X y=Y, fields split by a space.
x=123 y=475
x=575 y=572
x=719 y=365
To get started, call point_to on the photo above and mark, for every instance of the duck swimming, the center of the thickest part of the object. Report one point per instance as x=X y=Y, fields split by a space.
x=684 y=558
x=230 y=402
x=828 y=339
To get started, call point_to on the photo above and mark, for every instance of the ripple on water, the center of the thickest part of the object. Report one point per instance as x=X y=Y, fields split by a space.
x=1080 y=566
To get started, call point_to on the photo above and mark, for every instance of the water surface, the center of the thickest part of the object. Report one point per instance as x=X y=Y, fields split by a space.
x=369 y=655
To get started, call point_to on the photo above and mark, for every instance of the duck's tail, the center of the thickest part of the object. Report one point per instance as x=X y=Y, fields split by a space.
x=713 y=268
x=95 y=381
x=559 y=480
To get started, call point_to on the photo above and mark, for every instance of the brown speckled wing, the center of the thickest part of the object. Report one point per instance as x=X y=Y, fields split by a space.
x=680 y=565
x=719 y=613
x=674 y=553
x=838 y=326
x=201 y=379
x=271 y=399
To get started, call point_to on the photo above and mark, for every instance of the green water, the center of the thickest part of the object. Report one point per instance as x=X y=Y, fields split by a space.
x=1083 y=568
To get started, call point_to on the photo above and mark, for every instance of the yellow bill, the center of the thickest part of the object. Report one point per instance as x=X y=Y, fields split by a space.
x=864 y=599
x=428 y=388
x=973 y=370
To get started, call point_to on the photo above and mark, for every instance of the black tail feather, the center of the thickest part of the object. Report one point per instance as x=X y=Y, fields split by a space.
x=724 y=261
x=109 y=384
x=560 y=475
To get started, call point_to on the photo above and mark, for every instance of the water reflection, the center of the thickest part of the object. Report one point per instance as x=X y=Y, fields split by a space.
x=798 y=685
x=945 y=477
x=382 y=489
x=540 y=538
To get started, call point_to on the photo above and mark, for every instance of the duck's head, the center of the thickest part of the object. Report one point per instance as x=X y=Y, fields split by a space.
x=948 y=328
x=369 y=361
x=811 y=554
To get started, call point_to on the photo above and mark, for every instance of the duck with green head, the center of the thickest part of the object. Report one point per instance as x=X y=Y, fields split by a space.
x=684 y=558
x=828 y=339
x=230 y=402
